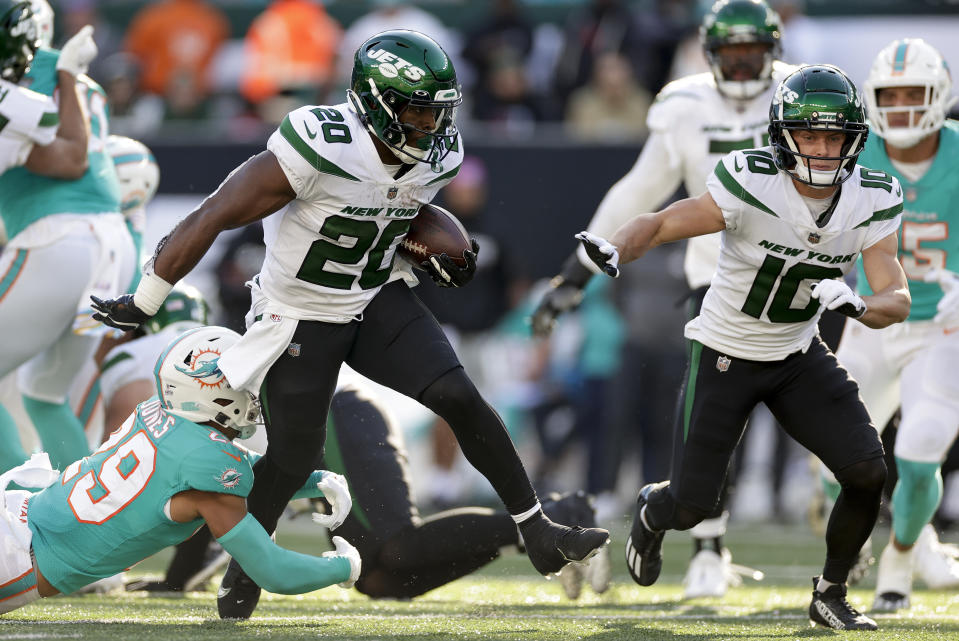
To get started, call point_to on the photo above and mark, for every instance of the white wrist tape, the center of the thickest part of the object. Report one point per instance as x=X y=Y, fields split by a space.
x=150 y=293
x=519 y=518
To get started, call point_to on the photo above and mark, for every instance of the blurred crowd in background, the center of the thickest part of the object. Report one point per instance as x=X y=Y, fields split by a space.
x=592 y=407
x=234 y=68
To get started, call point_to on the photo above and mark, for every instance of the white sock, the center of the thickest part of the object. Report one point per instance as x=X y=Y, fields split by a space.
x=823 y=585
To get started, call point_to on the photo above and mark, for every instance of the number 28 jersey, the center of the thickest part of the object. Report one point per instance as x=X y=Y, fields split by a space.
x=759 y=305
x=110 y=510
x=333 y=247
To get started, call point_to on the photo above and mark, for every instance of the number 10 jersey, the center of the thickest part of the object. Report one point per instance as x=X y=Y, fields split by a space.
x=759 y=305
x=329 y=252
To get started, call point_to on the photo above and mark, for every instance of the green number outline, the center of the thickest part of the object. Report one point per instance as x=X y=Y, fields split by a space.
x=875 y=178
x=335 y=130
x=364 y=232
x=761 y=162
x=780 y=310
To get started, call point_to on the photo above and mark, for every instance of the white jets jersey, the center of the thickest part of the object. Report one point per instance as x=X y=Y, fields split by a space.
x=329 y=252
x=26 y=118
x=692 y=125
x=759 y=305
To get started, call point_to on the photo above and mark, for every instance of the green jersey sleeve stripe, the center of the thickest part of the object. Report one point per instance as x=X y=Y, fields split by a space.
x=882 y=214
x=726 y=146
x=318 y=162
x=49 y=119
x=119 y=358
x=449 y=174
x=738 y=190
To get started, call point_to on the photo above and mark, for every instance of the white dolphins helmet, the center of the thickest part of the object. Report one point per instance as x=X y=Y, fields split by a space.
x=43 y=15
x=137 y=170
x=910 y=62
x=190 y=384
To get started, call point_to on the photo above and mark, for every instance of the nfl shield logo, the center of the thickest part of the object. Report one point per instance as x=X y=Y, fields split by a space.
x=293 y=350
x=814 y=237
x=722 y=363
x=391 y=194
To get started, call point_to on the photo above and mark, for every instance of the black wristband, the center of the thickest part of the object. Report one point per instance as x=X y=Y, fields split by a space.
x=575 y=273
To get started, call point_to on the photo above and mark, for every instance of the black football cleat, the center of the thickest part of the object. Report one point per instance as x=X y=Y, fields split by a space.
x=550 y=546
x=238 y=594
x=830 y=609
x=644 y=547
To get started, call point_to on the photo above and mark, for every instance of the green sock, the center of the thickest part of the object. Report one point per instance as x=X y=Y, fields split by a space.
x=11 y=449
x=61 y=433
x=915 y=499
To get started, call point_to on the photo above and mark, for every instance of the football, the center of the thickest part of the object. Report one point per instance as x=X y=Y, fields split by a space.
x=434 y=231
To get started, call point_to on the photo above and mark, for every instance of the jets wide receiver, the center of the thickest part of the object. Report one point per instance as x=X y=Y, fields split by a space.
x=352 y=177
x=693 y=123
x=794 y=218
x=907 y=96
x=168 y=468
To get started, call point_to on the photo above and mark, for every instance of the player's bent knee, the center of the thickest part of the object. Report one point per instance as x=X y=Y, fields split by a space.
x=864 y=476
x=451 y=392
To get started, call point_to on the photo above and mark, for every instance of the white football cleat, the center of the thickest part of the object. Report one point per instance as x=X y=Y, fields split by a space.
x=571 y=578
x=599 y=571
x=864 y=561
x=103 y=586
x=894 y=580
x=934 y=564
x=709 y=575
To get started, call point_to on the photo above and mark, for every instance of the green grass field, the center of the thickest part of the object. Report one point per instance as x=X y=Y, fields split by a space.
x=507 y=600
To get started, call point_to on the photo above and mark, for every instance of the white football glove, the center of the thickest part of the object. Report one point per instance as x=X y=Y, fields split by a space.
x=78 y=52
x=601 y=251
x=837 y=295
x=351 y=554
x=948 y=307
x=337 y=493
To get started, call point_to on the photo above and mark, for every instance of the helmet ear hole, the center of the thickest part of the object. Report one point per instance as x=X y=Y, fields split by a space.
x=191 y=385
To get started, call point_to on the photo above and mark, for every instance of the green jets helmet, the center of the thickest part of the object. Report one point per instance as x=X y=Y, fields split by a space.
x=399 y=69
x=19 y=39
x=732 y=22
x=184 y=308
x=817 y=97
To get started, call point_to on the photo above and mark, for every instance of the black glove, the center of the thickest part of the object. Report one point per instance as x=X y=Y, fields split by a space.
x=565 y=294
x=118 y=312
x=446 y=273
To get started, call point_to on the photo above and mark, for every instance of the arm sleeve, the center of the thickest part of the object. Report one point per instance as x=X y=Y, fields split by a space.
x=652 y=179
x=277 y=569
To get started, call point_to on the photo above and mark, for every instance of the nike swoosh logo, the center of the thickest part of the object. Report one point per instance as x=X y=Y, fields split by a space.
x=233 y=456
x=736 y=165
x=308 y=132
x=222 y=592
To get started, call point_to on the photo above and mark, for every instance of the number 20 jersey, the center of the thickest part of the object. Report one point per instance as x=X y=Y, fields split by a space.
x=110 y=510
x=759 y=305
x=333 y=247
